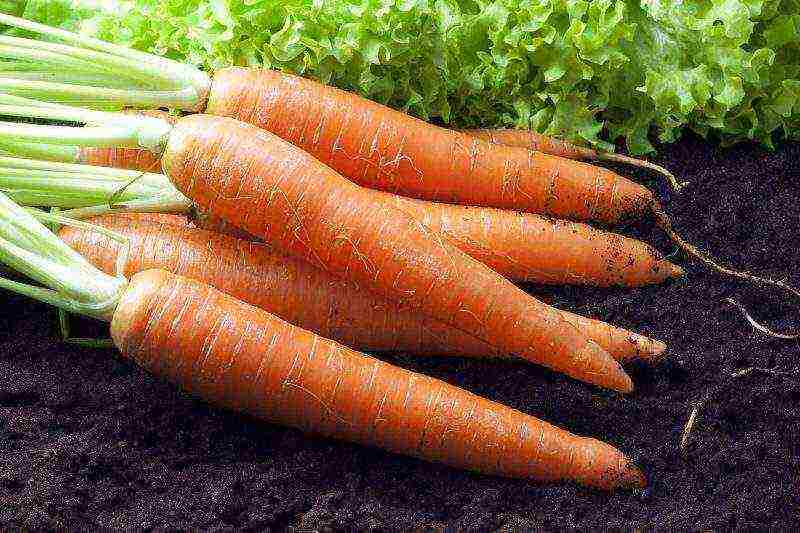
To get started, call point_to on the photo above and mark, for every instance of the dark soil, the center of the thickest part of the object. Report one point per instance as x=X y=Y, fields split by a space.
x=87 y=440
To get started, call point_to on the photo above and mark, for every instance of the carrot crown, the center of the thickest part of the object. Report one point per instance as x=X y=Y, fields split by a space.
x=70 y=282
x=87 y=190
x=74 y=69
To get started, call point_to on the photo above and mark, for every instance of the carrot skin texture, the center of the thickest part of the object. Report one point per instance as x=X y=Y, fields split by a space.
x=302 y=294
x=535 y=141
x=532 y=248
x=525 y=247
x=290 y=288
x=239 y=357
x=381 y=148
x=275 y=191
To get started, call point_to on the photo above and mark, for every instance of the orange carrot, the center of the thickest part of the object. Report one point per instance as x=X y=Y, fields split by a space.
x=275 y=191
x=532 y=248
x=385 y=149
x=242 y=358
x=526 y=247
x=301 y=293
x=532 y=140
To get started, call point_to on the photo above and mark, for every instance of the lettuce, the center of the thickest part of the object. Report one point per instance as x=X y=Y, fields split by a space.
x=589 y=71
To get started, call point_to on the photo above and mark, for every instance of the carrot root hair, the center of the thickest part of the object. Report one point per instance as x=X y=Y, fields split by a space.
x=676 y=185
x=665 y=223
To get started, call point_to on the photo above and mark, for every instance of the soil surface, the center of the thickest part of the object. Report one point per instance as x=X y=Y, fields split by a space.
x=87 y=440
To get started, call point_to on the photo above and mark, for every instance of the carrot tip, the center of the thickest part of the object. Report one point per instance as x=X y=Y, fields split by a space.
x=624 y=383
x=631 y=477
x=606 y=371
x=647 y=349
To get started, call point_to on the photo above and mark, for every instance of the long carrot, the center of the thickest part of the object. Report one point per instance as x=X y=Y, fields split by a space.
x=532 y=248
x=538 y=142
x=528 y=248
x=283 y=195
x=520 y=246
x=384 y=149
x=301 y=293
x=240 y=357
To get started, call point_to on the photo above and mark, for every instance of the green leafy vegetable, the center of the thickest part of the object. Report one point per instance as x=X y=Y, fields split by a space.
x=588 y=71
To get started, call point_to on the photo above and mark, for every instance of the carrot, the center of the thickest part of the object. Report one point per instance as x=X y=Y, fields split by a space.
x=538 y=142
x=384 y=149
x=301 y=293
x=531 y=248
x=520 y=246
x=275 y=191
x=240 y=357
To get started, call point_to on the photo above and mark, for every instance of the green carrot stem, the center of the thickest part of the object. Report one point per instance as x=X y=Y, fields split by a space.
x=191 y=85
x=47 y=152
x=97 y=136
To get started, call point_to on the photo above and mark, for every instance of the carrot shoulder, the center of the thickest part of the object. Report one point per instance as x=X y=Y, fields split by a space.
x=385 y=149
x=302 y=294
x=275 y=191
x=240 y=357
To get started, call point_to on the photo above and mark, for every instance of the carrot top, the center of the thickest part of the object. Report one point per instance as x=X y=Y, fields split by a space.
x=70 y=282
x=88 y=190
x=92 y=73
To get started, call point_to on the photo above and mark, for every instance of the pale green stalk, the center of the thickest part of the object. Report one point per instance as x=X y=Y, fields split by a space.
x=74 y=284
x=153 y=81
x=103 y=129
x=47 y=152
x=88 y=190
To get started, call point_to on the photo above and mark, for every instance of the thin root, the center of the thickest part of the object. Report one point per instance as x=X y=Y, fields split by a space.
x=676 y=185
x=760 y=327
x=694 y=414
x=663 y=221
